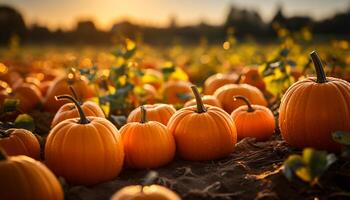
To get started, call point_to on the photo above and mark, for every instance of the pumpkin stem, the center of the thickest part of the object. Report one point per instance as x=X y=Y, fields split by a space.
x=143 y=114
x=321 y=76
x=239 y=79
x=83 y=119
x=3 y=154
x=246 y=101
x=74 y=93
x=200 y=106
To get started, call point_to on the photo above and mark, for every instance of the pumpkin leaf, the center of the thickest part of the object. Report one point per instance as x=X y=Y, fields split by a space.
x=292 y=163
x=25 y=121
x=10 y=105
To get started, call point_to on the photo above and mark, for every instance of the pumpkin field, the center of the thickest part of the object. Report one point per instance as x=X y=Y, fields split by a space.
x=235 y=119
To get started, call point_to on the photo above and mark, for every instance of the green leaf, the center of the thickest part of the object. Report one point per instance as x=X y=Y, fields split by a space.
x=341 y=137
x=25 y=121
x=292 y=163
x=10 y=105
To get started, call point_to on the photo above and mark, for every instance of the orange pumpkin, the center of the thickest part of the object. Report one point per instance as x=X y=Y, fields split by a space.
x=176 y=92
x=216 y=81
x=207 y=99
x=253 y=77
x=12 y=77
x=139 y=192
x=313 y=108
x=19 y=142
x=60 y=86
x=227 y=92
x=156 y=112
x=150 y=95
x=29 y=97
x=202 y=132
x=253 y=120
x=84 y=150
x=25 y=178
x=68 y=111
x=147 y=144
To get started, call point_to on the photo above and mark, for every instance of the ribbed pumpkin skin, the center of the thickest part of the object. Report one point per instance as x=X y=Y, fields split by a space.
x=152 y=192
x=68 y=111
x=259 y=124
x=212 y=83
x=310 y=112
x=226 y=93
x=253 y=77
x=207 y=99
x=21 y=142
x=23 y=178
x=147 y=145
x=203 y=136
x=29 y=96
x=156 y=112
x=85 y=154
x=60 y=86
x=172 y=90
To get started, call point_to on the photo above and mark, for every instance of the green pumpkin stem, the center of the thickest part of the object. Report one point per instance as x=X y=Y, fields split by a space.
x=83 y=119
x=321 y=76
x=143 y=114
x=74 y=93
x=246 y=101
x=200 y=106
x=3 y=154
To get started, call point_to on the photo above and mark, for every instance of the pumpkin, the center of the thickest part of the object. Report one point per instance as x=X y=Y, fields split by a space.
x=147 y=144
x=253 y=77
x=156 y=112
x=202 y=132
x=60 y=86
x=12 y=77
x=29 y=97
x=139 y=192
x=19 y=142
x=176 y=92
x=68 y=111
x=253 y=121
x=225 y=94
x=85 y=150
x=313 y=108
x=25 y=178
x=207 y=99
x=215 y=81
x=150 y=93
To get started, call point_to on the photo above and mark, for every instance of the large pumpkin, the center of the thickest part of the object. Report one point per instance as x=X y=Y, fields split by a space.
x=212 y=83
x=147 y=144
x=176 y=92
x=253 y=120
x=68 y=111
x=227 y=92
x=85 y=150
x=139 y=192
x=202 y=132
x=19 y=142
x=156 y=112
x=207 y=99
x=313 y=108
x=25 y=178
x=60 y=86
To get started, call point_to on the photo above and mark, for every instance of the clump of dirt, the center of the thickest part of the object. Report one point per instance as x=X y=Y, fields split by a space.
x=253 y=171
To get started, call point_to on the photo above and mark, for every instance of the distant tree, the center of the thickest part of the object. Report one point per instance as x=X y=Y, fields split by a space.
x=11 y=23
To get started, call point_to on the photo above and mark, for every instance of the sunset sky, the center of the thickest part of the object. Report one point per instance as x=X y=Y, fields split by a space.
x=64 y=13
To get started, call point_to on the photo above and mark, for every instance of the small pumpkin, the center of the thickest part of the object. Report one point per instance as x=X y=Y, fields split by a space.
x=313 y=108
x=253 y=77
x=61 y=85
x=147 y=144
x=19 y=142
x=202 y=132
x=139 y=192
x=68 y=110
x=225 y=94
x=85 y=150
x=176 y=92
x=155 y=112
x=29 y=97
x=253 y=120
x=12 y=77
x=207 y=99
x=212 y=83
x=25 y=178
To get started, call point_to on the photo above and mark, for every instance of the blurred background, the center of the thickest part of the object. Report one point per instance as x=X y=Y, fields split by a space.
x=163 y=22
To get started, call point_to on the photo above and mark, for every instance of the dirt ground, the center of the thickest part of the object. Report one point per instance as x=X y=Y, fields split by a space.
x=252 y=171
